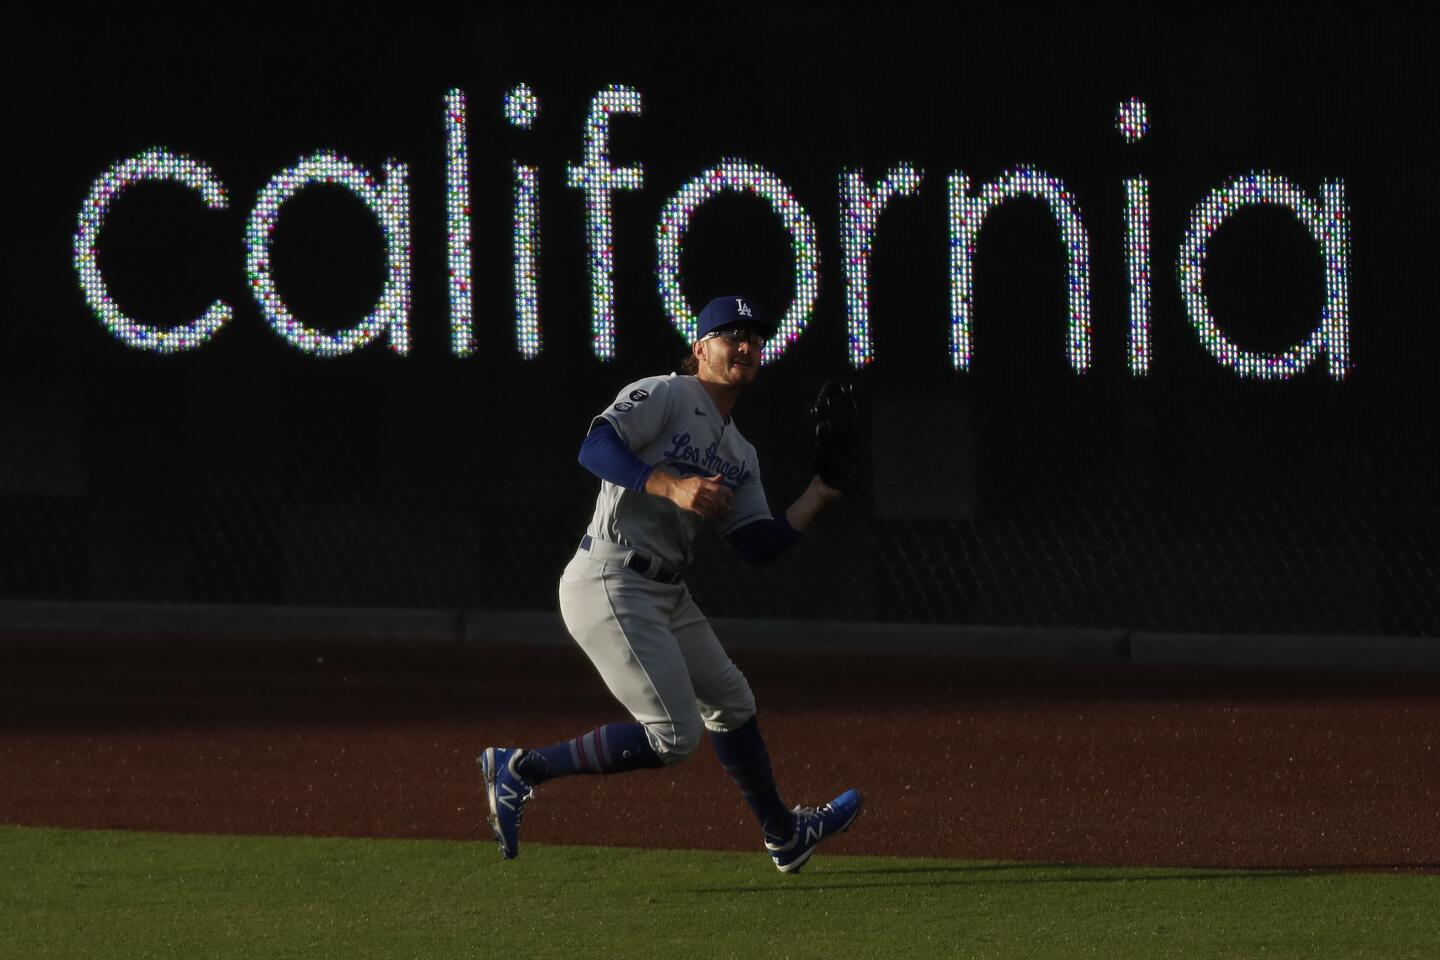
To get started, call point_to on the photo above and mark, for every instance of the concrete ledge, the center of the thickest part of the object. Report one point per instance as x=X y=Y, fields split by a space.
x=1007 y=643
x=71 y=622
x=87 y=621
x=752 y=634
x=542 y=627
x=1363 y=653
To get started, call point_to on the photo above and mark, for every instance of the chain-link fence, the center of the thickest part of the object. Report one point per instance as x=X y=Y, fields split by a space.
x=1290 y=509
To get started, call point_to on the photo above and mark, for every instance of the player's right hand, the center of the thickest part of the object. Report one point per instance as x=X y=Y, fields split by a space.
x=706 y=496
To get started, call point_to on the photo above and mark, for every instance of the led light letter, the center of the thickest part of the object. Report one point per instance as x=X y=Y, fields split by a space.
x=155 y=164
x=860 y=209
x=739 y=175
x=521 y=108
x=1137 y=267
x=967 y=215
x=457 y=209
x=390 y=202
x=1328 y=222
x=1132 y=119
x=598 y=179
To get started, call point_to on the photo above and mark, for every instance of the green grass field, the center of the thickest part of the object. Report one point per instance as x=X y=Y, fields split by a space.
x=77 y=894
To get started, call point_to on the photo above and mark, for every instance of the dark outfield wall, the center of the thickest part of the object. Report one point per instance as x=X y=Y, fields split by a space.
x=1052 y=473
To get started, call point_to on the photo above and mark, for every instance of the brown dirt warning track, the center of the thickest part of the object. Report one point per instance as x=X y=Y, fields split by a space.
x=1065 y=763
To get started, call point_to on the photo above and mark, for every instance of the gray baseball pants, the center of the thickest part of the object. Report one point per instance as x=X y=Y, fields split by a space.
x=655 y=651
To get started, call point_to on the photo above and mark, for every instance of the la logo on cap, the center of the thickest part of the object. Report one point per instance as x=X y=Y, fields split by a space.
x=742 y=308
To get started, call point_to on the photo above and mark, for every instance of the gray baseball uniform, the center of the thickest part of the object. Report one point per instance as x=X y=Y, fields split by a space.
x=623 y=600
x=621 y=596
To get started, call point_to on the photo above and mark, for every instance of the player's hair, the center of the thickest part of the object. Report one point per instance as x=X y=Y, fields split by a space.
x=689 y=365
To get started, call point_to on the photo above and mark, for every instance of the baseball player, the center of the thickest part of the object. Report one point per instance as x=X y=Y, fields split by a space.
x=671 y=458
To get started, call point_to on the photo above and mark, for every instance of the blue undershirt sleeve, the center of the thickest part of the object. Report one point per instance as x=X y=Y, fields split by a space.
x=763 y=540
x=606 y=455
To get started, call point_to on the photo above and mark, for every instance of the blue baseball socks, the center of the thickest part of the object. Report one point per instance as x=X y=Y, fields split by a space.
x=742 y=753
x=613 y=748
x=618 y=747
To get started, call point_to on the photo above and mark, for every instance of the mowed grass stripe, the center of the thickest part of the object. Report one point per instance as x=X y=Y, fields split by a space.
x=102 y=894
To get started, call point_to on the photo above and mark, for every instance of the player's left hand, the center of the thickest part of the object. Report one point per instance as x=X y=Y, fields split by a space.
x=822 y=490
x=838 y=457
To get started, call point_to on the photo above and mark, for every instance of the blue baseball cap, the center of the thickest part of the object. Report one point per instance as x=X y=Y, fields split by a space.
x=725 y=312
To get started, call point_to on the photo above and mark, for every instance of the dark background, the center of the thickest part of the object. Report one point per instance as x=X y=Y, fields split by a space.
x=1016 y=493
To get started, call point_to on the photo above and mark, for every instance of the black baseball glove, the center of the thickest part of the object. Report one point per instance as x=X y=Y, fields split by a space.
x=837 y=436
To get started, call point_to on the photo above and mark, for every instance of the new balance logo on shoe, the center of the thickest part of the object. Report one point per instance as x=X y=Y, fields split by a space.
x=813 y=825
x=506 y=792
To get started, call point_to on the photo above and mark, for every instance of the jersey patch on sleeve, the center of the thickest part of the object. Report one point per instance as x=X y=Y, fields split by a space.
x=638 y=395
x=623 y=407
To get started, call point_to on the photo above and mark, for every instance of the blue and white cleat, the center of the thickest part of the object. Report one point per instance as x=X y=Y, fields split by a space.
x=507 y=792
x=813 y=825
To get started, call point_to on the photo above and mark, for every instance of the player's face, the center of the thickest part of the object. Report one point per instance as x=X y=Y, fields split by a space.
x=730 y=356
